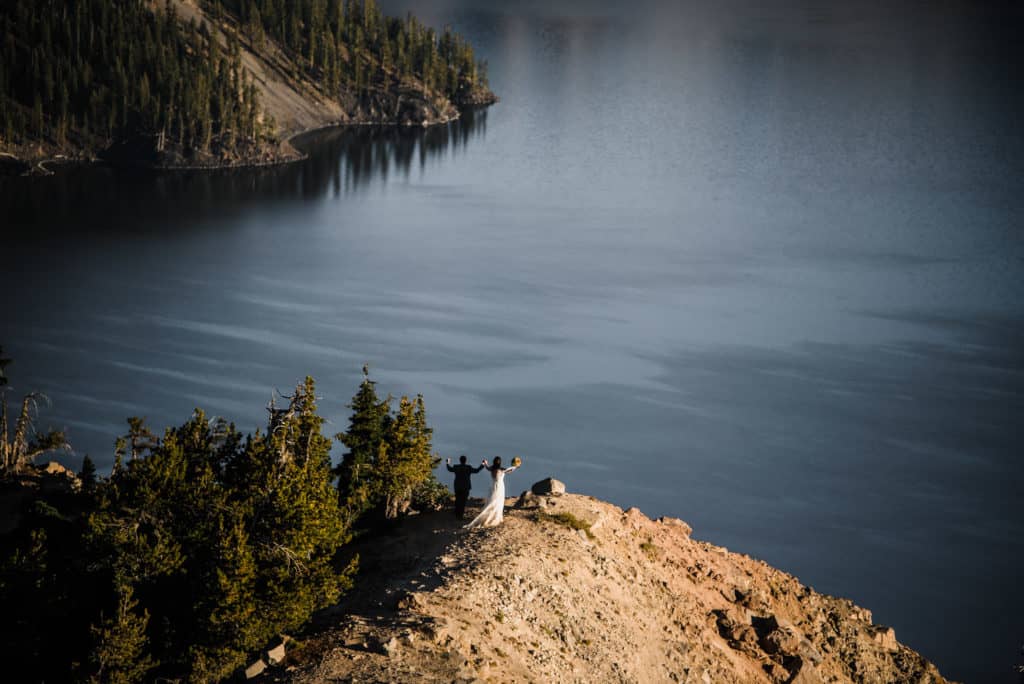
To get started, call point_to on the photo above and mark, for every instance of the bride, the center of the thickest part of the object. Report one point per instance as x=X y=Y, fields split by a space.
x=494 y=507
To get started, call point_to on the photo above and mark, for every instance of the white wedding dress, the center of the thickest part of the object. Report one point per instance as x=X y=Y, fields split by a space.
x=494 y=508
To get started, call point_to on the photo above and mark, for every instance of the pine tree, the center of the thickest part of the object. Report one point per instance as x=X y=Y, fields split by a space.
x=296 y=526
x=87 y=475
x=389 y=454
x=230 y=625
x=363 y=439
x=248 y=528
x=404 y=458
x=119 y=650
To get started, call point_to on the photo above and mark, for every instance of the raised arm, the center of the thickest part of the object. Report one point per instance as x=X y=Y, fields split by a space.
x=477 y=469
x=509 y=470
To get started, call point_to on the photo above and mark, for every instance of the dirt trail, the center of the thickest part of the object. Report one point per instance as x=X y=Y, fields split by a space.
x=635 y=600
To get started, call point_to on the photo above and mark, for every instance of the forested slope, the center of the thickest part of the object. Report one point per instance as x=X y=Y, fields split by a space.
x=185 y=83
x=202 y=545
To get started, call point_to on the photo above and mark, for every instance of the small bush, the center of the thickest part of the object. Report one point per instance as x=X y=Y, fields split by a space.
x=650 y=548
x=430 y=495
x=567 y=520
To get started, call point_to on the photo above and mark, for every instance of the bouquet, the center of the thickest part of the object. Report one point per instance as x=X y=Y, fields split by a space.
x=516 y=462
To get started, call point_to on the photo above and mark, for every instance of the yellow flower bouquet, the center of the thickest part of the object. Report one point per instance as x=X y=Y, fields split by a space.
x=516 y=462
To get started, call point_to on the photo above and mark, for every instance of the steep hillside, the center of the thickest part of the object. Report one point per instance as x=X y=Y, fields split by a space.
x=297 y=102
x=572 y=589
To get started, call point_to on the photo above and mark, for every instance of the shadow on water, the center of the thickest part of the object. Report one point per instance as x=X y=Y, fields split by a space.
x=346 y=160
x=341 y=161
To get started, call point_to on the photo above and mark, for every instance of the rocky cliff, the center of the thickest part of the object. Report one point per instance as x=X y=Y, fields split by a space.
x=572 y=589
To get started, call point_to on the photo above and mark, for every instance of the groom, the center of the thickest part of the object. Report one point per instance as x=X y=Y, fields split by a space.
x=462 y=486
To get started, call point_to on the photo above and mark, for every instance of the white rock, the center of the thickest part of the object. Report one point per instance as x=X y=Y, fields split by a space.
x=276 y=655
x=256 y=669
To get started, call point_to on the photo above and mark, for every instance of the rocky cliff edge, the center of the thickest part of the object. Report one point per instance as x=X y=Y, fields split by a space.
x=573 y=589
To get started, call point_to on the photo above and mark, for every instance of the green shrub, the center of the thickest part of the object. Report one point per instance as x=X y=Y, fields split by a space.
x=430 y=495
x=565 y=519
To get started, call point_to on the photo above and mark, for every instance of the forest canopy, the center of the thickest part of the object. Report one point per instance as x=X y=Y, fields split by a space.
x=202 y=545
x=90 y=73
x=93 y=71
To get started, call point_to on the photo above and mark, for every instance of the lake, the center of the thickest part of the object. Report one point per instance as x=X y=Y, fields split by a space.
x=757 y=266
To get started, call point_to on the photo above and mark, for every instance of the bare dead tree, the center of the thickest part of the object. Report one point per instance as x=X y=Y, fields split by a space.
x=27 y=444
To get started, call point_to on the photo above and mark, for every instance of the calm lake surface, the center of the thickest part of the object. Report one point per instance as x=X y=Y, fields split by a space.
x=758 y=267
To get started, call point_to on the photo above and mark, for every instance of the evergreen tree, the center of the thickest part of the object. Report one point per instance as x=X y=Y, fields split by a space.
x=119 y=649
x=296 y=526
x=100 y=69
x=87 y=475
x=247 y=527
x=203 y=544
x=231 y=626
x=363 y=440
x=389 y=454
x=404 y=459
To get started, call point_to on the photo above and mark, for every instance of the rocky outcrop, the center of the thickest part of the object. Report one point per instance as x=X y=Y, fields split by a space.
x=572 y=589
x=548 y=486
x=475 y=97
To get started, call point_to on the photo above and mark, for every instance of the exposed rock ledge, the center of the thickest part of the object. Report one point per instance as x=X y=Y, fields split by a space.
x=633 y=600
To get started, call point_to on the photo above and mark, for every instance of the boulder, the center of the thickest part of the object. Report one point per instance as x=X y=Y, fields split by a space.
x=743 y=637
x=54 y=468
x=256 y=669
x=635 y=518
x=389 y=647
x=276 y=654
x=808 y=652
x=775 y=671
x=411 y=601
x=803 y=672
x=676 y=522
x=548 y=486
x=755 y=600
x=886 y=638
x=56 y=478
x=780 y=641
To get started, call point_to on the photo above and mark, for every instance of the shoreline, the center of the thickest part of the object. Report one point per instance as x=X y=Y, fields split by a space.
x=37 y=167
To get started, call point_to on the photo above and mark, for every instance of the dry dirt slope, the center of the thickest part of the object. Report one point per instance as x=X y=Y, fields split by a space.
x=638 y=601
x=298 y=105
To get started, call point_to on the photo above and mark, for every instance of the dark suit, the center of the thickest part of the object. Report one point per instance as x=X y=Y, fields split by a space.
x=462 y=485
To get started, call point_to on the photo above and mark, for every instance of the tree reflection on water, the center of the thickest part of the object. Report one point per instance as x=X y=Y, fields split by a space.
x=344 y=160
x=341 y=161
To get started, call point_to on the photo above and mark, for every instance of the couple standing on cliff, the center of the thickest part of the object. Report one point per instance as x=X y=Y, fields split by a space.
x=494 y=507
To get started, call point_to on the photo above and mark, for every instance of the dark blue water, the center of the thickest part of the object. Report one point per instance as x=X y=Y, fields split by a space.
x=757 y=266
